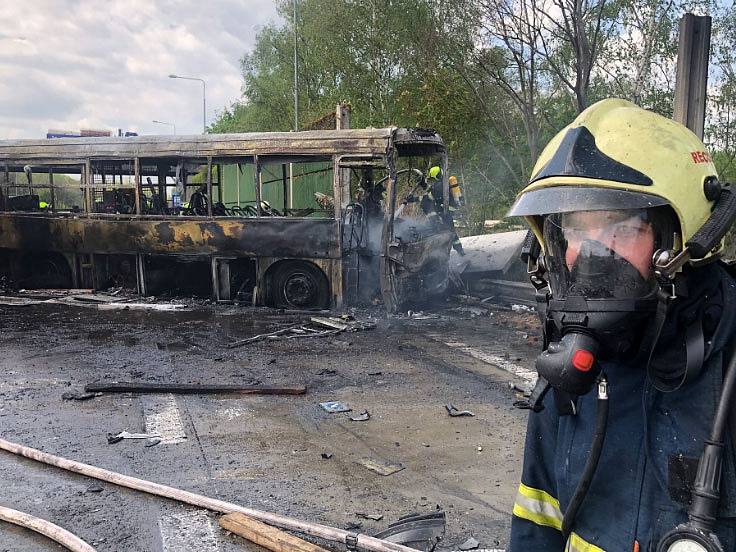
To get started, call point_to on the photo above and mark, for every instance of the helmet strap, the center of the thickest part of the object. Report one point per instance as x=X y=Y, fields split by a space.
x=694 y=344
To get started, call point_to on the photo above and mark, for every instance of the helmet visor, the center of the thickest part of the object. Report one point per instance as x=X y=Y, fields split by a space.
x=558 y=199
x=602 y=254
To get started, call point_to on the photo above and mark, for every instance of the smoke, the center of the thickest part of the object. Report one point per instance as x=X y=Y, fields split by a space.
x=425 y=258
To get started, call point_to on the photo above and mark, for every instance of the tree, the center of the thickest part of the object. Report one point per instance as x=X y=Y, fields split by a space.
x=496 y=78
x=573 y=35
x=721 y=115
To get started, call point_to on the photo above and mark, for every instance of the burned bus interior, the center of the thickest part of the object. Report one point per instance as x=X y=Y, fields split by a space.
x=292 y=220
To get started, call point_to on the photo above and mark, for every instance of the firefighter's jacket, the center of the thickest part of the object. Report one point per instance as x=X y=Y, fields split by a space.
x=641 y=487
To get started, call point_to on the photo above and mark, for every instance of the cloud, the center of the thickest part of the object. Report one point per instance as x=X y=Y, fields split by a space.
x=105 y=63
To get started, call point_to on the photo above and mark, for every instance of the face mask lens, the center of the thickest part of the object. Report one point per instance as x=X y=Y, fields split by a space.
x=600 y=254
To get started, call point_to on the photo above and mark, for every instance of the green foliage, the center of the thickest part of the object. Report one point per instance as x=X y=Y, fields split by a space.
x=492 y=76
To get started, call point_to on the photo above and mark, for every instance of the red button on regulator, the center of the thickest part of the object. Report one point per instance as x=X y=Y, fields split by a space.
x=583 y=360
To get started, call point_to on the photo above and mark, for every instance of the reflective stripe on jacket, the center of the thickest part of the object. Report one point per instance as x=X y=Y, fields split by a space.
x=538 y=506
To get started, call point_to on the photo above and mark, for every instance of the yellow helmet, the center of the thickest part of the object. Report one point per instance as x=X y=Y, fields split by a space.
x=616 y=155
x=434 y=172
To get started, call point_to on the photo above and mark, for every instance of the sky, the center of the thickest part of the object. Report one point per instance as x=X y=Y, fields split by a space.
x=71 y=64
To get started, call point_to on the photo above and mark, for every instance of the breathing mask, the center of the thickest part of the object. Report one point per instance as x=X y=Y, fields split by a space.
x=602 y=289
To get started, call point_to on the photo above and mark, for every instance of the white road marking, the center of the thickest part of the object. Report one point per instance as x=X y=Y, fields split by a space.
x=529 y=376
x=486 y=550
x=232 y=413
x=188 y=532
x=162 y=418
x=32 y=384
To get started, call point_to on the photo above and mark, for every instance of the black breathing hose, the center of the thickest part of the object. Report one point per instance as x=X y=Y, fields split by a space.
x=706 y=489
x=727 y=396
x=592 y=463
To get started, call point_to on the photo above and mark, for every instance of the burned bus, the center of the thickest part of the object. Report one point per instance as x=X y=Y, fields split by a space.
x=300 y=220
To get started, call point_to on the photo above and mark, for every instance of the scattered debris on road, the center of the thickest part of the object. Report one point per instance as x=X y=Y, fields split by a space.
x=334 y=407
x=362 y=372
x=419 y=531
x=474 y=312
x=372 y=517
x=79 y=395
x=381 y=467
x=327 y=372
x=332 y=534
x=113 y=438
x=524 y=390
x=362 y=417
x=457 y=413
x=421 y=315
x=344 y=323
x=329 y=323
x=333 y=324
x=470 y=544
x=96 y=301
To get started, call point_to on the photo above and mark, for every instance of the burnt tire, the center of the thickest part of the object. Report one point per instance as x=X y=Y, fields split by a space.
x=299 y=285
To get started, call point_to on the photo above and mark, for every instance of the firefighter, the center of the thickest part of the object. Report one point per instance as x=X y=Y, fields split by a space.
x=432 y=202
x=197 y=204
x=637 y=332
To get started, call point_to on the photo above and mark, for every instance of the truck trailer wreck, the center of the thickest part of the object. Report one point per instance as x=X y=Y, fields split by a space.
x=311 y=219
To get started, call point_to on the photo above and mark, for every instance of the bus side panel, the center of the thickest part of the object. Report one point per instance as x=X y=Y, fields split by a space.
x=264 y=237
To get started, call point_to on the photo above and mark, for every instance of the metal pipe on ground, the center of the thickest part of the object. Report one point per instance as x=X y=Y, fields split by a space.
x=354 y=540
x=46 y=528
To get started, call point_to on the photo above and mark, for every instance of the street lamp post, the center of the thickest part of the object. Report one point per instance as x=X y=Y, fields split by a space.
x=172 y=125
x=204 y=98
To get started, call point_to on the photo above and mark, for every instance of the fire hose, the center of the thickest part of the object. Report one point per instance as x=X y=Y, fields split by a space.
x=354 y=541
x=46 y=528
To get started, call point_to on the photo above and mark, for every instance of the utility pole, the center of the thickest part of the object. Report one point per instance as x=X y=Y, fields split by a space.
x=296 y=76
x=296 y=110
x=692 y=72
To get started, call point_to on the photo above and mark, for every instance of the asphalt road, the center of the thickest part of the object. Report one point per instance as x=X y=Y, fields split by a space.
x=262 y=451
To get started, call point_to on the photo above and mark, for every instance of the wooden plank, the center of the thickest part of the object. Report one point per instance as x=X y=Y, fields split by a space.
x=691 y=79
x=193 y=388
x=328 y=323
x=266 y=536
x=342 y=116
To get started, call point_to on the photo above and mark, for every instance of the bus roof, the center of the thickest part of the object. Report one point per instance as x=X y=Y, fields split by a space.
x=370 y=142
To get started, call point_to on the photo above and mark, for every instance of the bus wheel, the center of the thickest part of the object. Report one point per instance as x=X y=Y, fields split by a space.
x=299 y=285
